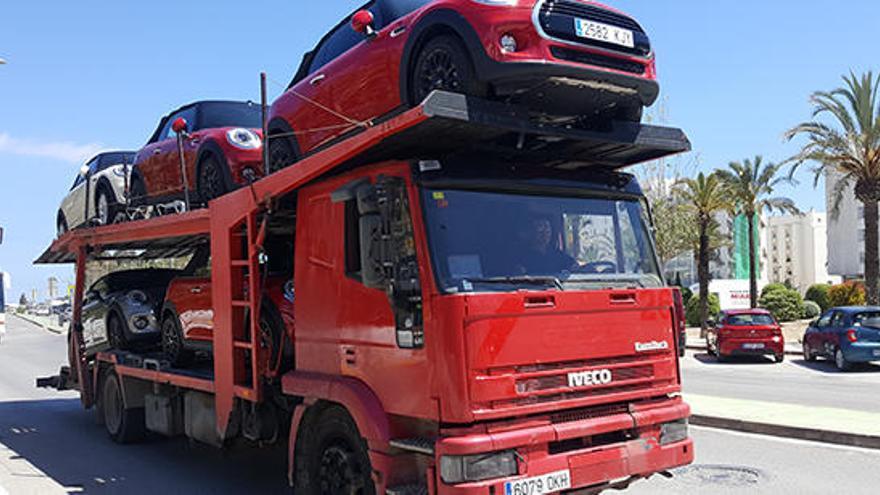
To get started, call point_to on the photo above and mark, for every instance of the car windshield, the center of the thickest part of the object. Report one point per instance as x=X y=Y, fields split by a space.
x=871 y=319
x=487 y=241
x=747 y=320
x=229 y=114
x=135 y=279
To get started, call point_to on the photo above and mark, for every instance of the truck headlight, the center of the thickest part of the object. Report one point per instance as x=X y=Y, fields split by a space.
x=461 y=468
x=243 y=138
x=675 y=431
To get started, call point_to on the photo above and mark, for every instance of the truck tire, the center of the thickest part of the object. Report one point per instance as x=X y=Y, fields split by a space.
x=331 y=457
x=124 y=425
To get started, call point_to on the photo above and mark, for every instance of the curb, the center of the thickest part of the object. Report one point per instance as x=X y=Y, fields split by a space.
x=40 y=324
x=810 y=434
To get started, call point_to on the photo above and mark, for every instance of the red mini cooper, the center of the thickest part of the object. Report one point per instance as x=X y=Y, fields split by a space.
x=222 y=149
x=562 y=59
x=747 y=332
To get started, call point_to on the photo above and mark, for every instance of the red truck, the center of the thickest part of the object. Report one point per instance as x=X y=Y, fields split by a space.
x=478 y=309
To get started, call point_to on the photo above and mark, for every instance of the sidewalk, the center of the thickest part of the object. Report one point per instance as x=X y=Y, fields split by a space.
x=50 y=323
x=20 y=477
x=821 y=424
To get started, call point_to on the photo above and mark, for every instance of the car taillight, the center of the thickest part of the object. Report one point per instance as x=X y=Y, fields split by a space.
x=852 y=335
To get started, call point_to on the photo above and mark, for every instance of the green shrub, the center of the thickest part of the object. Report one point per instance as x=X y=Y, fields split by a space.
x=785 y=304
x=846 y=294
x=773 y=287
x=818 y=293
x=692 y=309
x=811 y=310
x=686 y=295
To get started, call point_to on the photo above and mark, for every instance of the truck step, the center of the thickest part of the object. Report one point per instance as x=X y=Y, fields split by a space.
x=407 y=490
x=418 y=445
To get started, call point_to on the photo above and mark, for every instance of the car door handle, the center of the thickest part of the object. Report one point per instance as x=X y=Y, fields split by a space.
x=157 y=151
x=317 y=79
x=196 y=290
x=398 y=31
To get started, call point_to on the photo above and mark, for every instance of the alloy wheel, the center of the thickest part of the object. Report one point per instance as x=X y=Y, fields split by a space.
x=438 y=70
x=211 y=185
x=103 y=209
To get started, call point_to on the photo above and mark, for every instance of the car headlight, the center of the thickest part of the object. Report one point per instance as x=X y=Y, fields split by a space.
x=243 y=138
x=461 y=468
x=138 y=296
x=675 y=431
x=506 y=3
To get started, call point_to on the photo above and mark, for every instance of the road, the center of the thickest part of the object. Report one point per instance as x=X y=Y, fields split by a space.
x=793 y=381
x=50 y=445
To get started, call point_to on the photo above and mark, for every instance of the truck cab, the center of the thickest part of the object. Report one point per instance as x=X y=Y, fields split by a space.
x=477 y=296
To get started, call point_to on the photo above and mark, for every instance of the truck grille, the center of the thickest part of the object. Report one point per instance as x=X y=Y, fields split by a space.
x=556 y=19
x=542 y=383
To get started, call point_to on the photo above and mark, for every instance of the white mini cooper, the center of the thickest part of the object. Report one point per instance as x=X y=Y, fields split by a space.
x=97 y=196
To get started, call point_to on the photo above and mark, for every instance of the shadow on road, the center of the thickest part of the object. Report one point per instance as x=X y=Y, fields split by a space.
x=827 y=366
x=61 y=439
x=705 y=358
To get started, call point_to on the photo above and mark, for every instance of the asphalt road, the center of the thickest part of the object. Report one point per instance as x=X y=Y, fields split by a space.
x=793 y=381
x=53 y=446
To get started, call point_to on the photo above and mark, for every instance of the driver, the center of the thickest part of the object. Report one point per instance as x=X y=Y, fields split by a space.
x=540 y=256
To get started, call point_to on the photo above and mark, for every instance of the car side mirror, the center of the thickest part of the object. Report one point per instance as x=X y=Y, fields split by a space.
x=180 y=126
x=362 y=22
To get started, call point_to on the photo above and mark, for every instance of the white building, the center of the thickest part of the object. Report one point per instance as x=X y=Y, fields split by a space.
x=796 y=250
x=846 y=234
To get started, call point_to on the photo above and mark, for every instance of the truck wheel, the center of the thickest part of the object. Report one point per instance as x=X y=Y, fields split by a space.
x=125 y=425
x=334 y=457
x=173 y=344
x=443 y=63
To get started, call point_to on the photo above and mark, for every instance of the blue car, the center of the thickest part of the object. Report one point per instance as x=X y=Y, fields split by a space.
x=847 y=335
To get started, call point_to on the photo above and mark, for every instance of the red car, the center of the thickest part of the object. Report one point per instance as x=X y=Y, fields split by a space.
x=188 y=317
x=223 y=149
x=560 y=58
x=747 y=332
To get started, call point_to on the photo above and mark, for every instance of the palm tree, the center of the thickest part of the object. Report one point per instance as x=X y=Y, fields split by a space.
x=752 y=183
x=705 y=196
x=849 y=147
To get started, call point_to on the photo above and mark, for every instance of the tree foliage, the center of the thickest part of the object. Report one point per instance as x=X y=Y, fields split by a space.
x=692 y=310
x=846 y=294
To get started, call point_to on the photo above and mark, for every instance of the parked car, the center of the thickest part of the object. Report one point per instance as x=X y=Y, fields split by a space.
x=120 y=309
x=847 y=335
x=223 y=149
x=560 y=58
x=745 y=332
x=188 y=317
x=103 y=179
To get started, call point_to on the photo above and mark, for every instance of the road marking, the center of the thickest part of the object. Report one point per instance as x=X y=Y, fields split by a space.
x=790 y=441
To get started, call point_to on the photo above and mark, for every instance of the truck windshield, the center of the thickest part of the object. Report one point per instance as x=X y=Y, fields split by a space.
x=488 y=241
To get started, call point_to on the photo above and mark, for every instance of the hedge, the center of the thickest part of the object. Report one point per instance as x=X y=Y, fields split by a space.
x=811 y=310
x=818 y=293
x=785 y=304
x=846 y=294
x=692 y=309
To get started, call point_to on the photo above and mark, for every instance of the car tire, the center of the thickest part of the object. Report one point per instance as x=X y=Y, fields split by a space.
x=61 y=227
x=124 y=425
x=779 y=357
x=331 y=456
x=116 y=332
x=443 y=63
x=211 y=181
x=281 y=153
x=173 y=344
x=104 y=208
x=840 y=360
x=808 y=353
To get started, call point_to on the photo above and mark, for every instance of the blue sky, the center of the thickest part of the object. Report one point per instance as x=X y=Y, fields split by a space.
x=83 y=76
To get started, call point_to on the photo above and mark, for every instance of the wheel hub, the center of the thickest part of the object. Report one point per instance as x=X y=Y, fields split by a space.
x=339 y=473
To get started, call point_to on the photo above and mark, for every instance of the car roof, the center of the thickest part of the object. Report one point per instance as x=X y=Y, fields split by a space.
x=855 y=309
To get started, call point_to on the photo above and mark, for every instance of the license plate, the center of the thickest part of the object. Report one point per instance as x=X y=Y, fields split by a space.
x=603 y=32
x=876 y=352
x=753 y=346
x=539 y=485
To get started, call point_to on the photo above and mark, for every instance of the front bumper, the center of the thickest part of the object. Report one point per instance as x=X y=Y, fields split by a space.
x=541 y=449
x=862 y=352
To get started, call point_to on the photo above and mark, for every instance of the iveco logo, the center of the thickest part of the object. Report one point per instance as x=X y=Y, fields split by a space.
x=589 y=378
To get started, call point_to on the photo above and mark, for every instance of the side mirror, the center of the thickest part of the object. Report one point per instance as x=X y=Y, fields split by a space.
x=362 y=22
x=179 y=125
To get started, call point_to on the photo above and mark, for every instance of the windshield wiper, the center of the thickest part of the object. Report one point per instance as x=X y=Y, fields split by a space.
x=521 y=279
